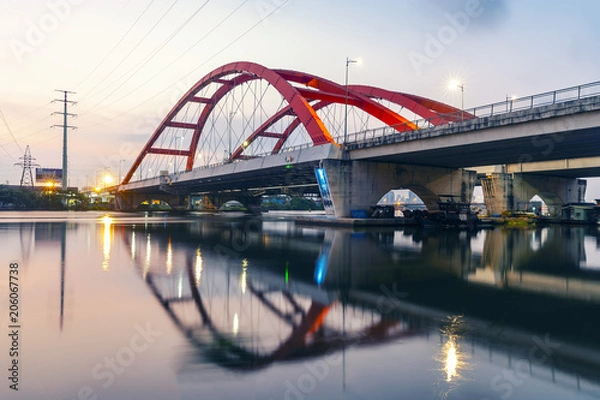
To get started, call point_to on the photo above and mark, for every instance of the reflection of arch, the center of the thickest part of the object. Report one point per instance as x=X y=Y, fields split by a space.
x=304 y=94
x=306 y=322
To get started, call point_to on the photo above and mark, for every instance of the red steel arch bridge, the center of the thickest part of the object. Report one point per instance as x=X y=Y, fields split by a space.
x=245 y=130
x=244 y=110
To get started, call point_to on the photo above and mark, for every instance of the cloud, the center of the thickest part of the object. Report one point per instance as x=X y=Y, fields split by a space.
x=495 y=12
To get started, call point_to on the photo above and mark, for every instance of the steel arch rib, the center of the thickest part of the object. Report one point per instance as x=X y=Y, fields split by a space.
x=302 y=109
x=314 y=126
x=368 y=105
x=322 y=94
x=438 y=113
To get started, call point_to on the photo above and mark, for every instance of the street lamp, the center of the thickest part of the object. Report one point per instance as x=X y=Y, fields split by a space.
x=511 y=99
x=348 y=62
x=453 y=85
x=108 y=179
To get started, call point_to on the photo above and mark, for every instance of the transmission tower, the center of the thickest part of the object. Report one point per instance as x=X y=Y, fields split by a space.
x=27 y=163
x=65 y=127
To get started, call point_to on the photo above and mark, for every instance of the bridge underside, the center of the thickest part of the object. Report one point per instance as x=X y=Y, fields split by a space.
x=584 y=143
x=580 y=167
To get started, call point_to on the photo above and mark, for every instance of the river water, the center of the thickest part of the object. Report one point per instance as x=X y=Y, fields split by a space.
x=134 y=306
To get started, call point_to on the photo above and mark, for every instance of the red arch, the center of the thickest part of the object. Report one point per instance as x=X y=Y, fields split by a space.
x=313 y=124
x=303 y=102
x=437 y=113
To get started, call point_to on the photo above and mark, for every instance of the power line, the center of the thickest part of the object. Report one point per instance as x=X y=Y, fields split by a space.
x=10 y=131
x=31 y=134
x=7 y=153
x=195 y=69
x=152 y=54
x=13 y=120
x=179 y=57
x=26 y=126
x=117 y=44
x=133 y=49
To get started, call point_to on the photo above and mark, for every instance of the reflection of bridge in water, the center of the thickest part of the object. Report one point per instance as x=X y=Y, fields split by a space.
x=248 y=320
x=227 y=291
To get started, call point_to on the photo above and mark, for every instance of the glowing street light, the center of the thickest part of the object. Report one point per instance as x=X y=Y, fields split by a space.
x=348 y=62
x=510 y=99
x=108 y=179
x=455 y=84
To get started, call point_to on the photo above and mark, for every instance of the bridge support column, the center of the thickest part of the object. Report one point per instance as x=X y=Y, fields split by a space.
x=498 y=193
x=555 y=191
x=358 y=185
x=512 y=192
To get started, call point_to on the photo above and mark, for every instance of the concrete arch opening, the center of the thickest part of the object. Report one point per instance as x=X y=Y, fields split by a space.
x=538 y=205
x=404 y=201
x=233 y=205
x=154 y=205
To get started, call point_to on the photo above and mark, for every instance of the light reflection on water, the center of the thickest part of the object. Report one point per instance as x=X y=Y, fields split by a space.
x=306 y=312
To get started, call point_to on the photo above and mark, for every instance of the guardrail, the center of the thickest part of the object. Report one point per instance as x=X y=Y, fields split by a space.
x=503 y=107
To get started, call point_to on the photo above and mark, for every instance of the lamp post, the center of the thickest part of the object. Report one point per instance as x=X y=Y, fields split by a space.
x=510 y=99
x=453 y=85
x=107 y=179
x=348 y=62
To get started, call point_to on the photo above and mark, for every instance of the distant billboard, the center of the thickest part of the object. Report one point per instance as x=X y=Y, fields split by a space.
x=48 y=174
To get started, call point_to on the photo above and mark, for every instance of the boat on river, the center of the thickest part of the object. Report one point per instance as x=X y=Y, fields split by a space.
x=451 y=213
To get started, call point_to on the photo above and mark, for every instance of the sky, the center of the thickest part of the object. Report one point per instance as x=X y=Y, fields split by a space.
x=129 y=61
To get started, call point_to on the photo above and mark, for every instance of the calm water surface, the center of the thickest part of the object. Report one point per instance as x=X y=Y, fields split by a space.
x=127 y=306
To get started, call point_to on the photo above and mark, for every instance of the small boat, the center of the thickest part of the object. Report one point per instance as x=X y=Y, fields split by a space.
x=452 y=213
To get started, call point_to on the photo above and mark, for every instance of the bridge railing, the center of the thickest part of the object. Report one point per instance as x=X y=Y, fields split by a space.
x=488 y=110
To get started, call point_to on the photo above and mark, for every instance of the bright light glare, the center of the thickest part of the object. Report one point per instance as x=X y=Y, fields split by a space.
x=451 y=362
x=108 y=179
x=455 y=84
x=106 y=241
x=236 y=324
